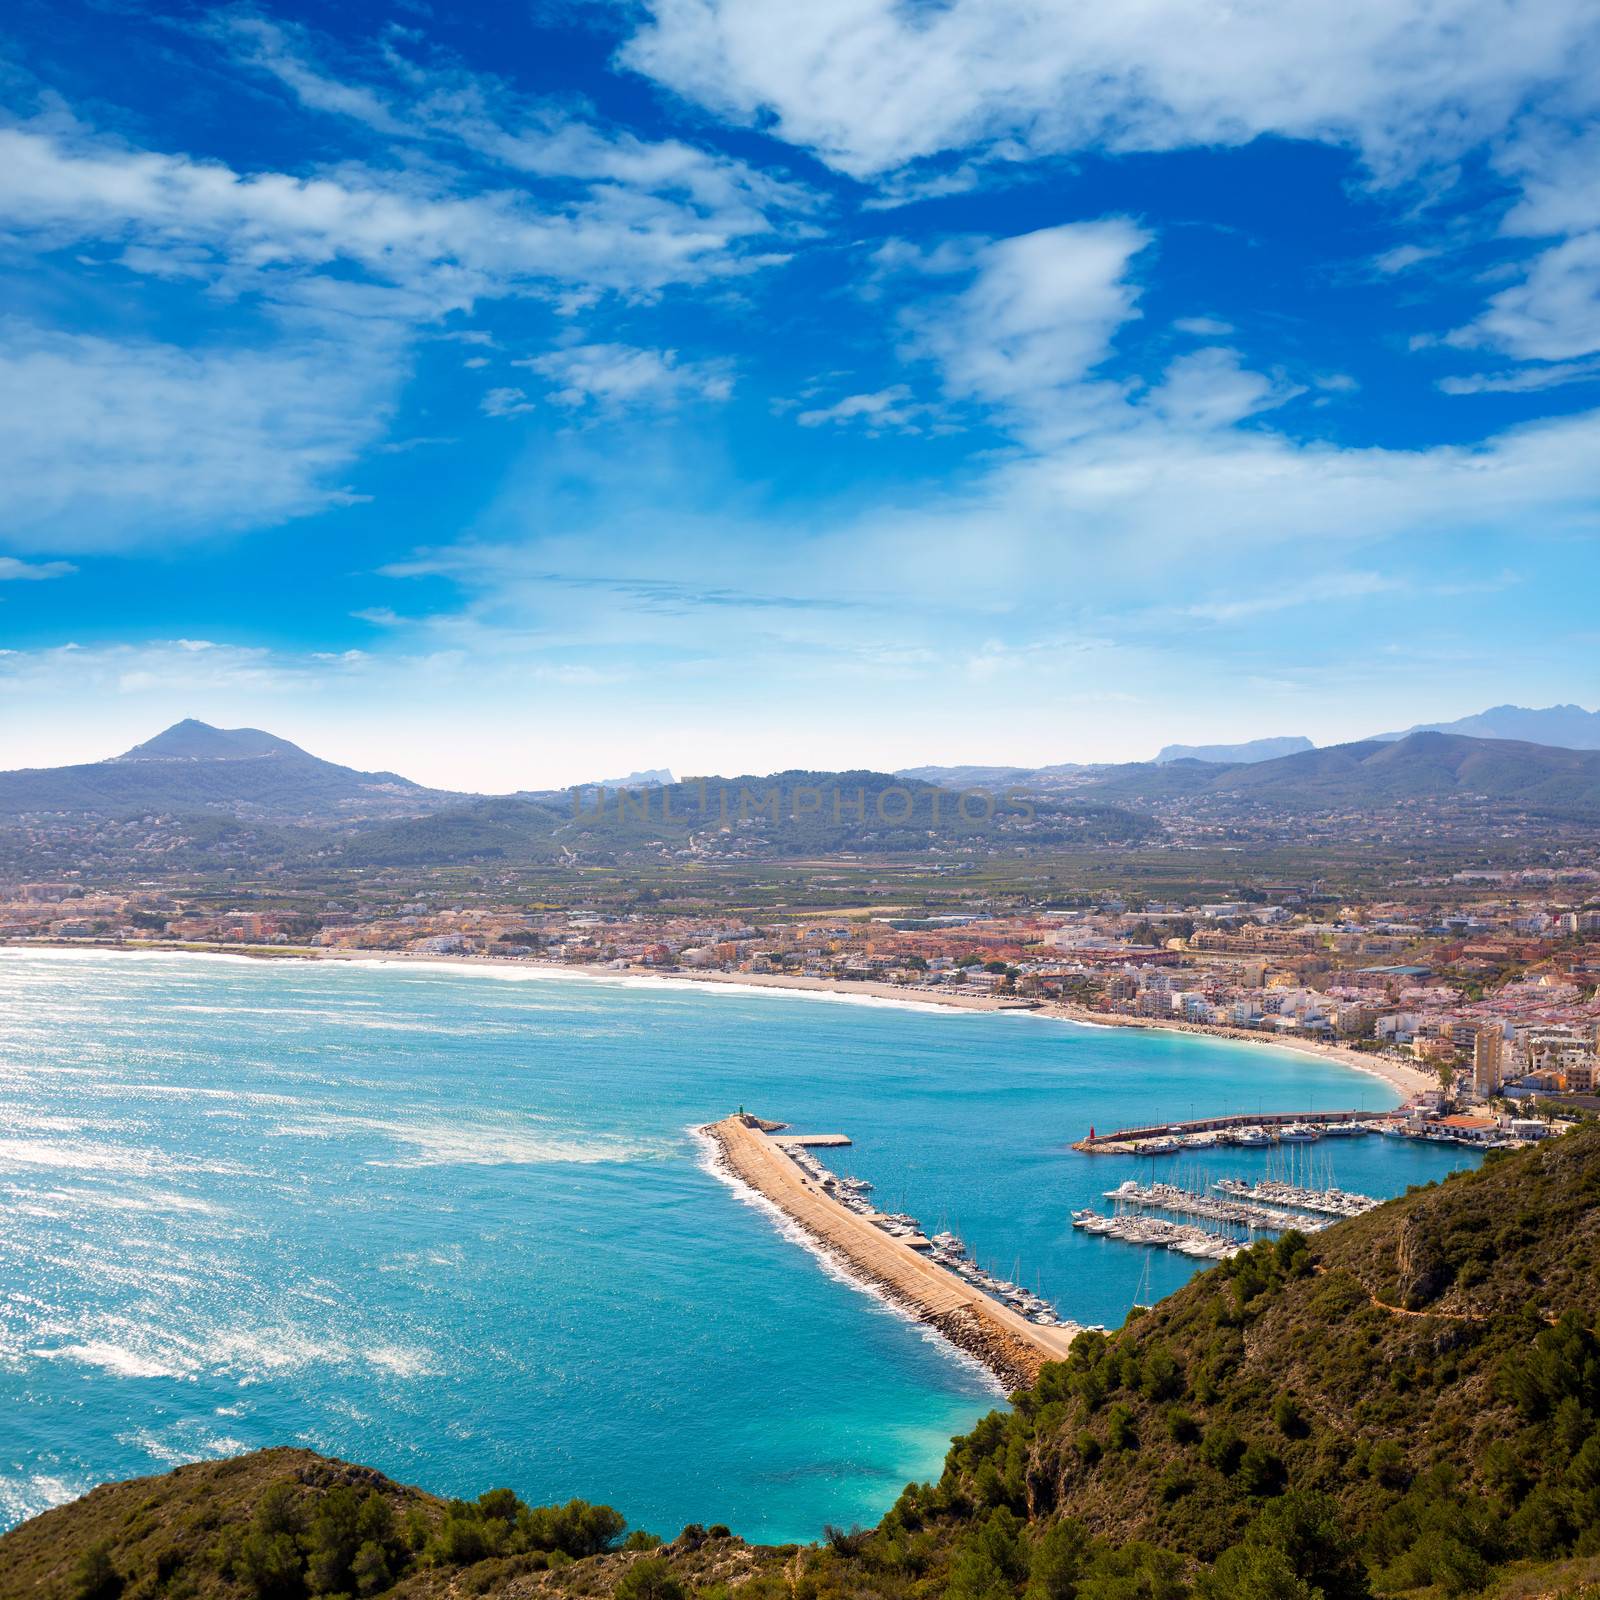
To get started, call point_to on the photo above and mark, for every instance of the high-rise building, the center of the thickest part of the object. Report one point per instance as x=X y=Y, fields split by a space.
x=1488 y=1059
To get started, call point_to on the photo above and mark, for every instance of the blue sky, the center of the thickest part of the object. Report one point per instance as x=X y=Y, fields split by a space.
x=513 y=395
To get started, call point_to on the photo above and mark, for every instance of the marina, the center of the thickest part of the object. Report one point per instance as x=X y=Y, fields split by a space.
x=1159 y=1234
x=1012 y=1332
x=1169 y=1197
x=1328 y=1202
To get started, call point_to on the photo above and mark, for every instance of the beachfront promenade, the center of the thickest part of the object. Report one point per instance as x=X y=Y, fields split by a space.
x=1009 y=1345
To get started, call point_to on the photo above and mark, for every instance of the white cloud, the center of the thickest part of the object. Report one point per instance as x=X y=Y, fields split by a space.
x=1403 y=258
x=1558 y=173
x=192 y=666
x=266 y=45
x=1204 y=327
x=1284 y=596
x=505 y=402
x=1039 y=314
x=1038 y=319
x=1211 y=388
x=891 y=408
x=13 y=570
x=480 y=115
x=1526 y=380
x=101 y=442
x=624 y=375
x=267 y=231
x=1131 y=505
x=1553 y=313
x=871 y=85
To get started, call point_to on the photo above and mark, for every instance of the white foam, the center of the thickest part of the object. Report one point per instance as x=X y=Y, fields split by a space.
x=463 y=1144
x=116 y=1359
x=188 y=1445
x=76 y=1156
x=24 y=1497
x=401 y=1361
x=114 y=1200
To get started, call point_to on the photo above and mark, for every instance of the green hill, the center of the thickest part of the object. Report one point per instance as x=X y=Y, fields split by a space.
x=780 y=814
x=1405 y=1404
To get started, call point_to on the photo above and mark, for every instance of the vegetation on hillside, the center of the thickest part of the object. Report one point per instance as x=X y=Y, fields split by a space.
x=789 y=814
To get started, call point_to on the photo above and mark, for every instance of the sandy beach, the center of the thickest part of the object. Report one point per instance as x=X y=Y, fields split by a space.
x=1407 y=1079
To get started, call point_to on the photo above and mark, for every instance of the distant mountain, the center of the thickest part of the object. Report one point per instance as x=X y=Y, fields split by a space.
x=653 y=778
x=994 y=777
x=1251 y=750
x=1570 y=727
x=199 y=741
x=1508 y=775
x=193 y=767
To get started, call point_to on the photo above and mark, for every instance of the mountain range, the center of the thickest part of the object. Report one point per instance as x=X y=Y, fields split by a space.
x=1502 y=775
x=243 y=796
x=1571 y=727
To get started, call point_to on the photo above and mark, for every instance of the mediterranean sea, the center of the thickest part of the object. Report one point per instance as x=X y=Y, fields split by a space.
x=454 y=1223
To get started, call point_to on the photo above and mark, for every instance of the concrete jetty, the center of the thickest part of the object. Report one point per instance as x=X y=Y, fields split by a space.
x=1125 y=1140
x=1008 y=1344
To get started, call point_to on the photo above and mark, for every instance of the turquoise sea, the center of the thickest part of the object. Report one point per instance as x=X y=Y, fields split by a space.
x=454 y=1223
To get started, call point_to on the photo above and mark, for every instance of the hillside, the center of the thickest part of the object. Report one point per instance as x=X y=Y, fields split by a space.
x=281 y=1524
x=780 y=814
x=1497 y=777
x=1405 y=1404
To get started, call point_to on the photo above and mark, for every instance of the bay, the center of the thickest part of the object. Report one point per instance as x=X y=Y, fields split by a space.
x=454 y=1223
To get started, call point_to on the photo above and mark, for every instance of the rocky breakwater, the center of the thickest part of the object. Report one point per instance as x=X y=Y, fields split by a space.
x=1010 y=1346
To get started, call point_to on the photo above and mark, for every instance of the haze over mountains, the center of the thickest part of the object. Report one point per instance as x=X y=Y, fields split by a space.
x=205 y=797
x=1569 y=726
x=192 y=766
x=1251 y=750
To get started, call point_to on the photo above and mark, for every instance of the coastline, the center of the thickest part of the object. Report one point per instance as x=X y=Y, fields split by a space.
x=1405 y=1079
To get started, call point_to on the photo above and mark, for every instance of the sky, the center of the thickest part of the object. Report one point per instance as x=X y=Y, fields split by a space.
x=513 y=395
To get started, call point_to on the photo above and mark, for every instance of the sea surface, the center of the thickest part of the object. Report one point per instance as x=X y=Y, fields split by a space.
x=455 y=1223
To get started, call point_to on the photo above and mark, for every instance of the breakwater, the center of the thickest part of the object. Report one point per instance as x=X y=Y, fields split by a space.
x=1008 y=1344
x=1124 y=1140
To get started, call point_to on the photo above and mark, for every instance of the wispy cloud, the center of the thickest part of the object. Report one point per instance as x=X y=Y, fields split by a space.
x=15 y=570
x=884 y=410
x=618 y=375
x=1525 y=380
x=1286 y=596
x=104 y=441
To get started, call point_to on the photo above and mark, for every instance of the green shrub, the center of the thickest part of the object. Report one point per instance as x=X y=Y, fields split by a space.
x=650 y=1578
x=95 y=1576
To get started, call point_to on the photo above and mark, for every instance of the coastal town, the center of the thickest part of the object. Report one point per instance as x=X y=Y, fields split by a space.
x=1478 y=994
